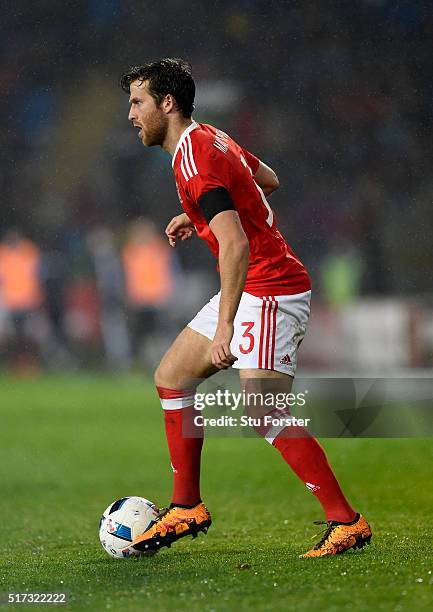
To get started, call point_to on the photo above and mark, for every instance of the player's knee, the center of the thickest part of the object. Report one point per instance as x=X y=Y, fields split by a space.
x=160 y=377
x=165 y=376
x=170 y=377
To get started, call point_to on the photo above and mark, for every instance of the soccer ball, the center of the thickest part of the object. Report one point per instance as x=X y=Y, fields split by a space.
x=122 y=521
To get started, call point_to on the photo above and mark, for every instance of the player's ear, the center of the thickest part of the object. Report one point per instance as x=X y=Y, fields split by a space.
x=169 y=104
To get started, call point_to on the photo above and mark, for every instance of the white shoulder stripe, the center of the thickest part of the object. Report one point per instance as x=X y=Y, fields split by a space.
x=182 y=167
x=184 y=134
x=187 y=162
x=185 y=159
x=191 y=155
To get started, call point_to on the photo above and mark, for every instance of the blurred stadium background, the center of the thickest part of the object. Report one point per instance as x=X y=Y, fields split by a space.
x=338 y=100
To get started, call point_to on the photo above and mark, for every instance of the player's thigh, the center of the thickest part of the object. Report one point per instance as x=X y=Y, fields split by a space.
x=262 y=388
x=265 y=382
x=187 y=360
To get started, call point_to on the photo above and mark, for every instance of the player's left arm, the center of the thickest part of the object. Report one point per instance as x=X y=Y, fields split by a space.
x=233 y=265
x=233 y=254
x=210 y=189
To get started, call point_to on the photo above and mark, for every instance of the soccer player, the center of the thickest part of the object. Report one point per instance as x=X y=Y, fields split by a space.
x=257 y=320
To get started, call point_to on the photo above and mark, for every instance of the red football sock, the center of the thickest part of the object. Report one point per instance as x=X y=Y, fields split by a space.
x=185 y=452
x=307 y=459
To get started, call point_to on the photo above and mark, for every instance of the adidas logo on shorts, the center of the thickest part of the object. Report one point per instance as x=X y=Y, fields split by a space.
x=285 y=360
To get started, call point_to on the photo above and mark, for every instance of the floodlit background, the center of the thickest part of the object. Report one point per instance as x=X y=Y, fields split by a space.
x=338 y=101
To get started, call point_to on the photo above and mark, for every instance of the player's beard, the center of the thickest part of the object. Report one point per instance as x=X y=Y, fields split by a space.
x=156 y=129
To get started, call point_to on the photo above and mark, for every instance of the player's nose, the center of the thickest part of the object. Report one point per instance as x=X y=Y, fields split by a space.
x=131 y=115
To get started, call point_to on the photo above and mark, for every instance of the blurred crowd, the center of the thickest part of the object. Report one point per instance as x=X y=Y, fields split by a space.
x=123 y=301
x=337 y=97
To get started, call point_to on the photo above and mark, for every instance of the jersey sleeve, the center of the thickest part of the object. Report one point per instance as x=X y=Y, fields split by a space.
x=212 y=172
x=251 y=160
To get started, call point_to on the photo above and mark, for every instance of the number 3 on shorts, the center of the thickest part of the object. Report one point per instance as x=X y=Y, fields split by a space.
x=247 y=346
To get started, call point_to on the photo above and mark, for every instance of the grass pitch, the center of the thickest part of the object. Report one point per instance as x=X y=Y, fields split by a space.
x=70 y=446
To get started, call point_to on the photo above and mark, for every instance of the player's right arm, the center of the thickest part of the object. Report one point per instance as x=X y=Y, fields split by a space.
x=180 y=227
x=266 y=178
x=263 y=174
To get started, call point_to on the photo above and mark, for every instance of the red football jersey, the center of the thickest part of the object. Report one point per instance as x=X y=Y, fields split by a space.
x=206 y=158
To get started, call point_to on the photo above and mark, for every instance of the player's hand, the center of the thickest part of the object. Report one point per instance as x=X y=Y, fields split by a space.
x=180 y=227
x=221 y=355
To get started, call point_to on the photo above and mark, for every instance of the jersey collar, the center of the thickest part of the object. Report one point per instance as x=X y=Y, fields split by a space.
x=184 y=134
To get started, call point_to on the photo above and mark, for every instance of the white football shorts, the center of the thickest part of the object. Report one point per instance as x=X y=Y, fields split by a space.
x=267 y=330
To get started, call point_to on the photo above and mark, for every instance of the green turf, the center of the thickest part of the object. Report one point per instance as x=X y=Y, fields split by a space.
x=68 y=447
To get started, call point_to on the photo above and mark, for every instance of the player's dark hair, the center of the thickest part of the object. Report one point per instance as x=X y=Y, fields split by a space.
x=166 y=76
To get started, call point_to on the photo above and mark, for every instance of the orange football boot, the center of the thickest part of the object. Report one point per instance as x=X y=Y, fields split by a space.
x=339 y=537
x=170 y=525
